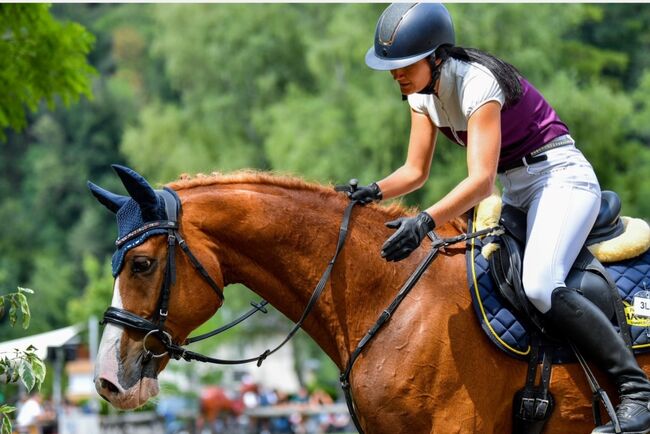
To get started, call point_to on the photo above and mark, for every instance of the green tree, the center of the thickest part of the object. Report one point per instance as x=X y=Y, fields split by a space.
x=54 y=221
x=40 y=58
x=231 y=60
x=621 y=27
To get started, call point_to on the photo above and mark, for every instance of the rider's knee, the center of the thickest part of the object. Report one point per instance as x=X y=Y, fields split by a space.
x=538 y=291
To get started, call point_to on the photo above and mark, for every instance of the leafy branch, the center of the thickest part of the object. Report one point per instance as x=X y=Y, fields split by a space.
x=17 y=303
x=25 y=365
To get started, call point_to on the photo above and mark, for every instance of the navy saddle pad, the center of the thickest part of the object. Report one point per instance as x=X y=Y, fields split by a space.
x=509 y=334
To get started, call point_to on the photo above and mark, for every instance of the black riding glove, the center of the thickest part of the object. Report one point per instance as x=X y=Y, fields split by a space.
x=410 y=233
x=366 y=194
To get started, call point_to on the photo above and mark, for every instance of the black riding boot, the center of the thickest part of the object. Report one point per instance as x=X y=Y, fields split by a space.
x=581 y=322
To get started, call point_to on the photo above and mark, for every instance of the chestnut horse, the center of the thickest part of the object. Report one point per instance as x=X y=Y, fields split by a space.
x=430 y=369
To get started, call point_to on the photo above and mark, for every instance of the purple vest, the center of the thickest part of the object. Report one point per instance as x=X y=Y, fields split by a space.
x=525 y=126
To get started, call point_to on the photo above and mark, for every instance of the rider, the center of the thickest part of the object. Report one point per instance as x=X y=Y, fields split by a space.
x=509 y=130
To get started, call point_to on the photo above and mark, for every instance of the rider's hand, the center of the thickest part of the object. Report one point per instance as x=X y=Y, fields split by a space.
x=366 y=194
x=410 y=233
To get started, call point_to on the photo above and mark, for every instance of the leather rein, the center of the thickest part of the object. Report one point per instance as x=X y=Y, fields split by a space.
x=124 y=318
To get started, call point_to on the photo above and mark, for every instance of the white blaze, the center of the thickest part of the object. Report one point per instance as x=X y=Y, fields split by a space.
x=108 y=366
x=108 y=353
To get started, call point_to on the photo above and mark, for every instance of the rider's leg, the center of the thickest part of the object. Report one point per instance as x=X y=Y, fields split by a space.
x=575 y=317
x=559 y=220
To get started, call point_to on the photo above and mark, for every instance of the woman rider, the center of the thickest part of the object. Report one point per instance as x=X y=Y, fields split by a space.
x=510 y=131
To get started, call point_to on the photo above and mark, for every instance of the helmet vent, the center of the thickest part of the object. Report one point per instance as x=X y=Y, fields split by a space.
x=389 y=21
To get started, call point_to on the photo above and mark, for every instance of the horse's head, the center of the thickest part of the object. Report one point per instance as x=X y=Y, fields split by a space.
x=151 y=307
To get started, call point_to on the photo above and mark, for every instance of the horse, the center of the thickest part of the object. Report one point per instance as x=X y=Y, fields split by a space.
x=430 y=369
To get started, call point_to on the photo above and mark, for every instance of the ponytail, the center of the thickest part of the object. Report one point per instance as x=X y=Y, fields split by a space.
x=506 y=75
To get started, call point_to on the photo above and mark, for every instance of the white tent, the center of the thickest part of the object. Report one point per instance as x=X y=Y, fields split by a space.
x=55 y=338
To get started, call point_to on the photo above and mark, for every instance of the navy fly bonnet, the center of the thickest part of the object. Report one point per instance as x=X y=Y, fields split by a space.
x=145 y=205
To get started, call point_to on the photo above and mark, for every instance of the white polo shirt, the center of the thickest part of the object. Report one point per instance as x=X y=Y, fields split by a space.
x=464 y=87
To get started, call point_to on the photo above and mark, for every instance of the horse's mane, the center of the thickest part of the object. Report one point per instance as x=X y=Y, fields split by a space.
x=258 y=177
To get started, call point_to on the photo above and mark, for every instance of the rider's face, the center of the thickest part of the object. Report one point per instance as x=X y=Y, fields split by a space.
x=413 y=78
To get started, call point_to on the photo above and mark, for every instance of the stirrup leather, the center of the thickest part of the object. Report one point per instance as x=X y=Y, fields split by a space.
x=533 y=404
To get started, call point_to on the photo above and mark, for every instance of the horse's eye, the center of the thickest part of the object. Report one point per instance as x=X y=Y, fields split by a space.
x=141 y=264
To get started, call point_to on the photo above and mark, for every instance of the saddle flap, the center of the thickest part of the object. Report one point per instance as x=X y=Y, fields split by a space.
x=514 y=222
x=505 y=268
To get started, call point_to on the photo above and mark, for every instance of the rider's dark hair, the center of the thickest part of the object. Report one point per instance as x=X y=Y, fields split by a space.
x=506 y=75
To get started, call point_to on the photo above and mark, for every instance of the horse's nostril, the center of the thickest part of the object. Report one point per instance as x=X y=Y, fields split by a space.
x=107 y=385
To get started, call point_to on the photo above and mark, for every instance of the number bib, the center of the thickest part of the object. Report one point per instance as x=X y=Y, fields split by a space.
x=642 y=303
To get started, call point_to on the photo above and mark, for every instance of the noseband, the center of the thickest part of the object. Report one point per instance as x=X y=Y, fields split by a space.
x=130 y=320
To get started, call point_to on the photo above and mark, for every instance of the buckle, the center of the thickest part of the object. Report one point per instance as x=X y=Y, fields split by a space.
x=534 y=408
x=527 y=407
x=541 y=407
x=532 y=159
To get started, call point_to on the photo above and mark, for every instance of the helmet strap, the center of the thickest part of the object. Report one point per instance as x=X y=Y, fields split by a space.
x=435 y=76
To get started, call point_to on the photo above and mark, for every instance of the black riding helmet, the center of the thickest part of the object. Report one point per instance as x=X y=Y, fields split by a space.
x=408 y=32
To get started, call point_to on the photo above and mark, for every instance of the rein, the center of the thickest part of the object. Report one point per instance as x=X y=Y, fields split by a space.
x=438 y=243
x=176 y=351
x=179 y=352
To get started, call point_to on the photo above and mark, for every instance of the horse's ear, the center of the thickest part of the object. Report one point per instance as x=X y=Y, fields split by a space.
x=110 y=200
x=141 y=192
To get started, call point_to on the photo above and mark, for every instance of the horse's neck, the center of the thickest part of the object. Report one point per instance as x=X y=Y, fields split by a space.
x=278 y=244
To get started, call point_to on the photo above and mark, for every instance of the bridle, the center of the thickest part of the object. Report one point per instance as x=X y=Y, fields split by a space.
x=130 y=320
x=124 y=318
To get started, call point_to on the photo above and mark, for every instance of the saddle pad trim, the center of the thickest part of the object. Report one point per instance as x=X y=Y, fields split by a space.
x=486 y=321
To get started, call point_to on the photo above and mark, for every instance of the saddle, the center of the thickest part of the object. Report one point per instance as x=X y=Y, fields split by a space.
x=516 y=327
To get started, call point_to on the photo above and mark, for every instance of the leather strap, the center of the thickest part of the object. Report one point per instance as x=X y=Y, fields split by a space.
x=177 y=352
x=599 y=394
x=437 y=244
x=125 y=318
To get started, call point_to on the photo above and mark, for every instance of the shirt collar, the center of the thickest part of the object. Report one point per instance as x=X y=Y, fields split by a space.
x=444 y=90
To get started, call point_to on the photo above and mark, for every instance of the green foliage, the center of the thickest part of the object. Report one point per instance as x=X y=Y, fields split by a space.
x=55 y=222
x=222 y=74
x=17 y=303
x=19 y=365
x=5 y=423
x=40 y=58
x=622 y=27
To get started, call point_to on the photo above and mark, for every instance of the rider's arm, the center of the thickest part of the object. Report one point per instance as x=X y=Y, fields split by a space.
x=415 y=171
x=483 y=148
